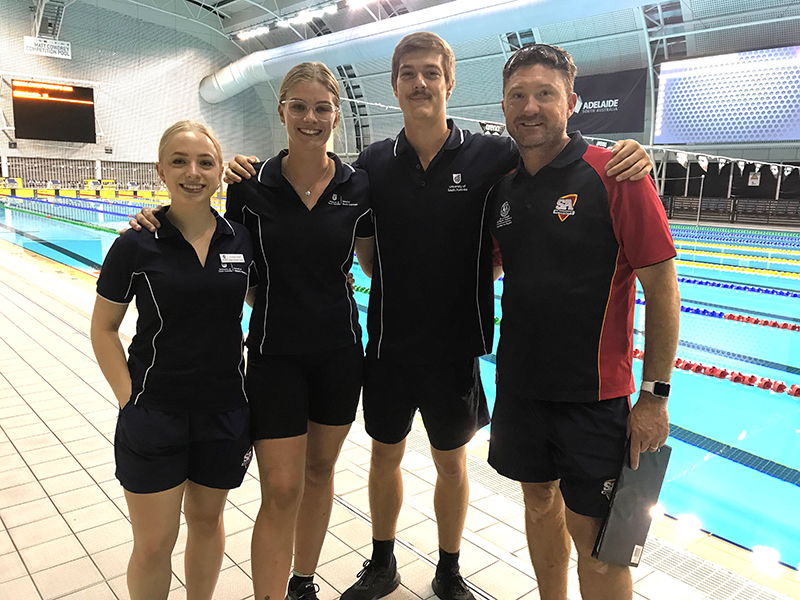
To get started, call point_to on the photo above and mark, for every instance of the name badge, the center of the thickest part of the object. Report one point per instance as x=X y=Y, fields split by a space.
x=231 y=258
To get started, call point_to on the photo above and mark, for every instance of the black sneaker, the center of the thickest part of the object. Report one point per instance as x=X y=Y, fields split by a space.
x=305 y=591
x=451 y=586
x=374 y=582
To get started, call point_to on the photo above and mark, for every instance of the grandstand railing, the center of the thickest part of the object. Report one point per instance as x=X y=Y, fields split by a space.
x=754 y=211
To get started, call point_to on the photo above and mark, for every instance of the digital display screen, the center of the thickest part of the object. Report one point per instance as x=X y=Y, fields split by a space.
x=53 y=111
x=742 y=97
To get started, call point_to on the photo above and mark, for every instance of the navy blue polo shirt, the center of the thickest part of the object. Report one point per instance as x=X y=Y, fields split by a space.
x=432 y=295
x=304 y=303
x=571 y=238
x=186 y=355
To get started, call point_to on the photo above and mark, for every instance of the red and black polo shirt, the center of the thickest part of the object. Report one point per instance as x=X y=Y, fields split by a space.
x=570 y=239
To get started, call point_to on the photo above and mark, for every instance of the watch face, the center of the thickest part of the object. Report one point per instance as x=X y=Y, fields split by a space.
x=661 y=389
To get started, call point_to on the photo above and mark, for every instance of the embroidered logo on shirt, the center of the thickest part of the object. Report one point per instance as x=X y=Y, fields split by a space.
x=337 y=200
x=565 y=206
x=505 y=218
x=457 y=185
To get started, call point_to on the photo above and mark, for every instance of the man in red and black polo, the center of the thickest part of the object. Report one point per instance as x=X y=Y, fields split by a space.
x=573 y=241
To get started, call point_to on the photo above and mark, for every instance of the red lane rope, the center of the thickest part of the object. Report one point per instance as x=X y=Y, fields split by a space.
x=765 y=322
x=763 y=383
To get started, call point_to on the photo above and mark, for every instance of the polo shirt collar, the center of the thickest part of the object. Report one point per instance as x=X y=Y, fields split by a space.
x=168 y=229
x=571 y=153
x=453 y=141
x=271 y=176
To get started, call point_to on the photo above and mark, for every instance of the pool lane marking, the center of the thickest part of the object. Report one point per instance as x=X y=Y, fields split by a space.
x=689 y=245
x=721 y=230
x=748 y=311
x=52 y=246
x=747 y=270
x=737 y=455
x=734 y=356
x=739 y=257
x=58 y=219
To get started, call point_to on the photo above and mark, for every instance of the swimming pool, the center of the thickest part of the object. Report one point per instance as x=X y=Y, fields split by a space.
x=736 y=458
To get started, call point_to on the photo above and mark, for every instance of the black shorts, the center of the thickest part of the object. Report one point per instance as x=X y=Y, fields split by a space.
x=580 y=443
x=157 y=451
x=449 y=396
x=288 y=391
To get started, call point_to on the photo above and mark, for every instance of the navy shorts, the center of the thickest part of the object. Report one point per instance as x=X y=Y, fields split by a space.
x=157 y=451
x=449 y=396
x=287 y=391
x=580 y=443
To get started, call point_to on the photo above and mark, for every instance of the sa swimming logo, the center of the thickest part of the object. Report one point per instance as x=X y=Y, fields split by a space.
x=565 y=206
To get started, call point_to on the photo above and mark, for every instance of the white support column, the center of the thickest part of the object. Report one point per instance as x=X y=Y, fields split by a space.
x=650 y=72
x=686 y=187
x=730 y=178
x=4 y=166
x=98 y=170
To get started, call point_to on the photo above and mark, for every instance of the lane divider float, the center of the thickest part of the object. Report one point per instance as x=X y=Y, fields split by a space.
x=739 y=288
x=718 y=314
x=763 y=383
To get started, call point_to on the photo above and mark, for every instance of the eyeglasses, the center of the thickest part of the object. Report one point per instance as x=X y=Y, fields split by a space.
x=546 y=51
x=324 y=111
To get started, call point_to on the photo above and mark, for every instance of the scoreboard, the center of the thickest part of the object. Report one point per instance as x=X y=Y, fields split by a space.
x=53 y=111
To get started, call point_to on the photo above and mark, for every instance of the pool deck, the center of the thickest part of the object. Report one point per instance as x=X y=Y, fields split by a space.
x=64 y=531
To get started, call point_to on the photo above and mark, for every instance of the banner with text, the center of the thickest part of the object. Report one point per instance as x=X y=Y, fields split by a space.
x=610 y=103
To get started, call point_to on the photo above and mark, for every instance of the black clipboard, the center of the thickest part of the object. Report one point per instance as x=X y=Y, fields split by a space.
x=624 y=530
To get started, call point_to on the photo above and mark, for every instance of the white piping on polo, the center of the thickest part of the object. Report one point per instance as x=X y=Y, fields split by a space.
x=152 y=364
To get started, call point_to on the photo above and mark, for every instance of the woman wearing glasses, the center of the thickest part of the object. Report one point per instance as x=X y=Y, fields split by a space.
x=306 y=211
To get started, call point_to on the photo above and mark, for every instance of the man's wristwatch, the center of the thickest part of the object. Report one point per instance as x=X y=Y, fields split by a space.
x=657 y=388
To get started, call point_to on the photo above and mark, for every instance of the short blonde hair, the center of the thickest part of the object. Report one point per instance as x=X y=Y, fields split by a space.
x=310 y=71
x=187 y=125
x=425 y=41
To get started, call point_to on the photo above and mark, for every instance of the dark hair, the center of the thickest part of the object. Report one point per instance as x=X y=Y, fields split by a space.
x=427 y=42
x=552 y=57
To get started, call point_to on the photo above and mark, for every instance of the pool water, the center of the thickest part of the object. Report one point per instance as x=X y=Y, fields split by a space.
x=736 y=448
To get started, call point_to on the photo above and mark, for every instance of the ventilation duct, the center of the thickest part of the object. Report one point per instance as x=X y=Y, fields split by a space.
x=457 y=21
